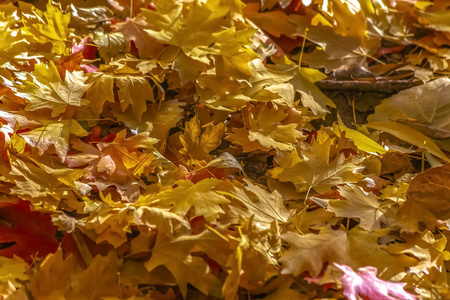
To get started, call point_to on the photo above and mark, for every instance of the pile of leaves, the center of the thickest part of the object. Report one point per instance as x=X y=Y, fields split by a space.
x=176 y=149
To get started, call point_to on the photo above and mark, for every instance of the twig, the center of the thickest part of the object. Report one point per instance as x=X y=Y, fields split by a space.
x=381 y=86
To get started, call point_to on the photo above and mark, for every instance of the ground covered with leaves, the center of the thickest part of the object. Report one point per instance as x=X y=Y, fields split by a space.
x=219 y=149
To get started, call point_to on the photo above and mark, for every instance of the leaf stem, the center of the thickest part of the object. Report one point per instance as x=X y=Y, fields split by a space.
x=303 y=48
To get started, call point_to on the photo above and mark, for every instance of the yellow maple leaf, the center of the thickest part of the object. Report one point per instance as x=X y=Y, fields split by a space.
x=261 y=247
x=187 y=68
x=252 y=261
x=302 y=81
x=56 y=134
x=197 y=145
x=46 y=183
x=60 y=277
x=361 y=141
x=311 y=168
x=100 y=279
x=357 y=204
x=198 y=28
x=266 y=131
x=157 y=120
x=351 y=45
x=45 y=89
x=200 y=196
x=265 y=207
x=175 y=255
x=113 y=223
x=49 y=26
x=427 y=199
x=357 y=248
x=12 y=43
x=118 y=161
x=13 y=271
x=275 y=22
x=101 y=90
x=134 y=91
x=310 y=251
x=110 y=45
x=50 y=281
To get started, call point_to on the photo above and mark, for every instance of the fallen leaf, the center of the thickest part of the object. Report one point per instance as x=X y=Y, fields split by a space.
x=361 y=141
x=100 y=91
x=47 y=90
x=202 y=30
x=357 y=204
x=265 y=207
x=303 y=81
x=198 y=145
x=26 y=233
x=200 y=196
x=176 y=256
x=310 y=251
x=12 y=271
x=100 y=279
x=52 y=276
x=409 y=135
x=427 y=198
x=266 y=132
x=335 y=49
x=56 y=134
x=366 y=284
x=424 y=105
x=317 y=171
x=48 y=26
x=134 y=30
x=134 y=91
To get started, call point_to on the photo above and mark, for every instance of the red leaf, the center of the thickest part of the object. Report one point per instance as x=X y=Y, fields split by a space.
x=89 y=51
x=383 y=51
x=204 y=173
x=94 y=136
x=134 y=50
x=30 y=233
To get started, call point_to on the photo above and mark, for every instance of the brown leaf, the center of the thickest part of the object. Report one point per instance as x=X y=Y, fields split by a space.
x=428 y=198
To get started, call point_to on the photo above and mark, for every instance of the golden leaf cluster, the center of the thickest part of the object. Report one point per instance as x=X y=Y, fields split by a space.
x=184 y=150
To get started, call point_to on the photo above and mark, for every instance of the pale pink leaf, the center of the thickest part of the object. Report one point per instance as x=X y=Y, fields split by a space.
x=365 y=283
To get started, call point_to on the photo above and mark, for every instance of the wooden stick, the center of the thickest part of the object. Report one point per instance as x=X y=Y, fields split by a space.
x=381 y=86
